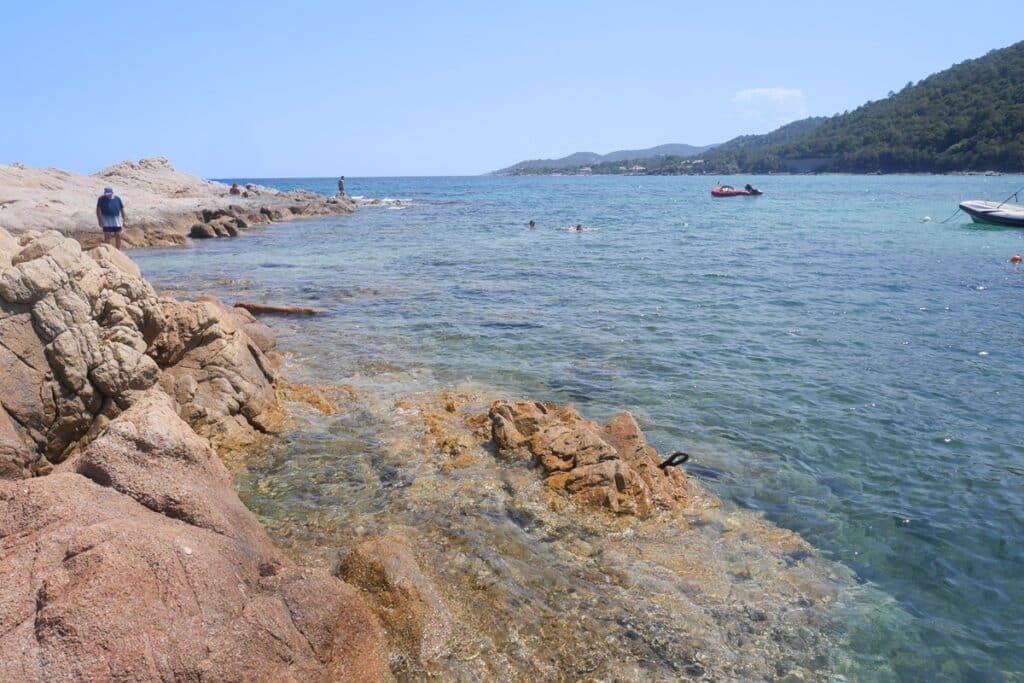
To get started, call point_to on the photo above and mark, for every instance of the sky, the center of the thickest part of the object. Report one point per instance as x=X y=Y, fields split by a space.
x=300 y=89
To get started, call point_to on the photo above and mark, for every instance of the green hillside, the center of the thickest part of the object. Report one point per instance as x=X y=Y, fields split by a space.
x=575 y=161
x=725 y=156
x=967 y=118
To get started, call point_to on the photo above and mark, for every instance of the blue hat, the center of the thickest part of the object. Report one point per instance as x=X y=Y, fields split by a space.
x=108 y=190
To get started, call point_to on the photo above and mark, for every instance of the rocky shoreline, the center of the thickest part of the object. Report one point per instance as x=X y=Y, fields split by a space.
x=133 y=558
x=164 y=206
x=127 y=554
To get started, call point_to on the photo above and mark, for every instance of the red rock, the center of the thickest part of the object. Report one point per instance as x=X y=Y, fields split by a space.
x=137 y=561
x=149 y=454
x=611 y=467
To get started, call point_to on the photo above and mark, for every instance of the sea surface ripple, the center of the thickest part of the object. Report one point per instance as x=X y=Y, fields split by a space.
x=830 y=359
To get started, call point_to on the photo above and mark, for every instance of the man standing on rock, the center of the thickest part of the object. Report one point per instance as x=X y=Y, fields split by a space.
x=110 y=214
x=341 y=186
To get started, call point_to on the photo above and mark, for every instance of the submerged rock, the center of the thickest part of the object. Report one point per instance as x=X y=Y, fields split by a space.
x=276 y=310
x=541 y=589
x=611 y=467
x=409 y=605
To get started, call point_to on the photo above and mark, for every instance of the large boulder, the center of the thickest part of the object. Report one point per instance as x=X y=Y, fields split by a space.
x=220 y=378
x=82 y=335
x=612 y=467
x=201 y=231
x=135 y=560
x=149 y=454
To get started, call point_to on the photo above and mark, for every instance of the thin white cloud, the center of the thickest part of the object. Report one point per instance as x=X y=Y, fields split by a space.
x=774 y=106
x=773 y=94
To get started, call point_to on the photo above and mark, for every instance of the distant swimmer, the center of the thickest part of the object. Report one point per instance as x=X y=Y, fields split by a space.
x=1015 y=260
x=579 y=227
x=531 y=225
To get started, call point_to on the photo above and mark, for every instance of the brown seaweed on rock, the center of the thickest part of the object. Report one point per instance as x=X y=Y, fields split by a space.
x=545 y=586
x=611 y=467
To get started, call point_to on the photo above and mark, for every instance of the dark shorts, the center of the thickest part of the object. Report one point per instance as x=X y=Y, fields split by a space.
x=111 y=229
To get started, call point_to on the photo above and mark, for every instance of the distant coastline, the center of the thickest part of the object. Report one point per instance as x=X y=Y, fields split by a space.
x=967 y=119
x=573 y=173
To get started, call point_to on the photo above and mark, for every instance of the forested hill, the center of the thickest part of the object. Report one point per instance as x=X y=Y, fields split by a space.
x=724 y=157
x=573 y=161
x=969 y=117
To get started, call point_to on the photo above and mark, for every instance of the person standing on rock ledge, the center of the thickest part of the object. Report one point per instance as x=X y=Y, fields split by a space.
x=110 y=214
x=341 y=186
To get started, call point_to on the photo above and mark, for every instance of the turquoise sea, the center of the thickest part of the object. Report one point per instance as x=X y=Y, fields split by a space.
x=830 y=359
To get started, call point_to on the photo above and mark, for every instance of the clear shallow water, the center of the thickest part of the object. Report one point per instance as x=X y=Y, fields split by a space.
x=832 y=361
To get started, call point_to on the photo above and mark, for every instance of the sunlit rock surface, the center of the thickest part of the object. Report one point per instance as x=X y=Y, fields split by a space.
x=163 y=205
x=136 y=561
x=133 y=558
x=82 y=335
x=611 y=467
x=542 y=586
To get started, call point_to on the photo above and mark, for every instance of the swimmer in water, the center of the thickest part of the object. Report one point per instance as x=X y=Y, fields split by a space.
x=579 y=227
x=531 y=225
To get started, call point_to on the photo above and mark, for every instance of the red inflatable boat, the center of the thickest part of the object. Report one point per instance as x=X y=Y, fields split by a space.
x=730 y=191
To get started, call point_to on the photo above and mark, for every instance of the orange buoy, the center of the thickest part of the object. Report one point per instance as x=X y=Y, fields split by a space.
x=1015 y=258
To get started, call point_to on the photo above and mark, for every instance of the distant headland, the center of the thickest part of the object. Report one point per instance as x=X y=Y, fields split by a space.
x=966 y=119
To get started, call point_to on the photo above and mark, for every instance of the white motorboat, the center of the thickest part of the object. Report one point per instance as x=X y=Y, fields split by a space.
x=995 y=213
